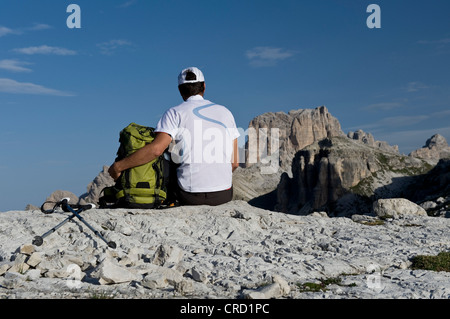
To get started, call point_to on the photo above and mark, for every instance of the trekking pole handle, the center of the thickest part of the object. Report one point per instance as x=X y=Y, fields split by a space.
x=65 y=202
x=64 y=199
x=85 y=207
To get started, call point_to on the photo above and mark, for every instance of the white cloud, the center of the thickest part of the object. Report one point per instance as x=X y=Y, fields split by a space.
x=440 y=41
x=36 y=27
x=14 y=87
x=39 y=26
x=416 y=86
x=267 y=56
x=440 y=46
x=14 y=65
x=5 y=31
x=441 y=114
x=45 y=49
x=127 y=4
x=401 y=121
x=385 y=106
x=391 y=122
x=109 y=47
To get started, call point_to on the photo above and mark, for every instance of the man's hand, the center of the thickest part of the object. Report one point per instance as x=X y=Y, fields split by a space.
x=142 y=156
x=114 y=172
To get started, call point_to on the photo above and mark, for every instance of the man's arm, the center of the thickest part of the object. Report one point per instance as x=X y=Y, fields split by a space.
x=235 y=159
x=142 y=156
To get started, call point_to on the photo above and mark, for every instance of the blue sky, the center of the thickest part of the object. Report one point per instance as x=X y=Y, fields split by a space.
x=66 y=93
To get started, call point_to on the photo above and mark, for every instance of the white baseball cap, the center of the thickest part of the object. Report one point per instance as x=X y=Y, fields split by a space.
x=198 y=76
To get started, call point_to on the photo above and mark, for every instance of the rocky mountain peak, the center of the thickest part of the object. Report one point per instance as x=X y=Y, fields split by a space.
x=297 y=129
x=368 y=139
x=436 y=140
x=435 y=148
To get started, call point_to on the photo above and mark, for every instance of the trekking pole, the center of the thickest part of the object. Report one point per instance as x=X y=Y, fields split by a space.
x=65 y=205
x=39 y=240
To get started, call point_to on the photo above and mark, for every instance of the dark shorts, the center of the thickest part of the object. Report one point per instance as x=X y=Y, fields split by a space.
x=211 y=199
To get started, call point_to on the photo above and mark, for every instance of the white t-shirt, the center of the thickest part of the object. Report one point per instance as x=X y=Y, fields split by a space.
x=202 y=133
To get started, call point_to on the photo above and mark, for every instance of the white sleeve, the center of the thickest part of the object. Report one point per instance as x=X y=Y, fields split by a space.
x=169 y=123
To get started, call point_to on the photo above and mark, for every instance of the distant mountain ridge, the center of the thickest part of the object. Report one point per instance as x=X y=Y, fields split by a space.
x=321 y=168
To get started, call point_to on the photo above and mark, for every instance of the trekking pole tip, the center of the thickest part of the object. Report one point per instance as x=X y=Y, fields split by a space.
x=38 y=241
x=112 y=245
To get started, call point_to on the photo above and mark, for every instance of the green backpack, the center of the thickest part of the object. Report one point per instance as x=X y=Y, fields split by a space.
x=143 y=186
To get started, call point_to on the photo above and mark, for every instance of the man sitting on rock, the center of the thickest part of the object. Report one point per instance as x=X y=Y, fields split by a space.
x=204 y=145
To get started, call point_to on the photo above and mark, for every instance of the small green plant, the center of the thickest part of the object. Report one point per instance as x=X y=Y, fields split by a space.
x=382 y=159
x=441 y=262
x=22 y=270
x=386 y=217
x=322 y=285
x=311 y=287
x=412 y=225
x=377 y=222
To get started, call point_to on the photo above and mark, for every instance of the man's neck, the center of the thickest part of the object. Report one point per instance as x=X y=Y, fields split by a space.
x=195 y=97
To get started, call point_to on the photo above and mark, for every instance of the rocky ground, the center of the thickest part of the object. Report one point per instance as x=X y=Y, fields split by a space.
x=230 y=251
